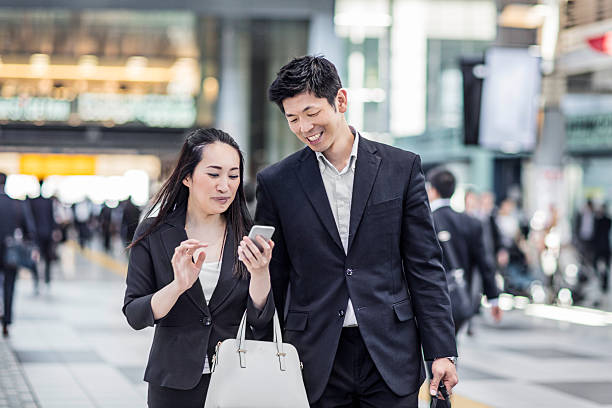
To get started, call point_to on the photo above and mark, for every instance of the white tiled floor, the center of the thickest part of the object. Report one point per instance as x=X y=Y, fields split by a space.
x=77 y=351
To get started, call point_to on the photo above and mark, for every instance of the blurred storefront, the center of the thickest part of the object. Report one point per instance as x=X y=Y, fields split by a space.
x=132 y=77
x=412 y=92
x=409 y=92
x=585 y=65
x=128 y=79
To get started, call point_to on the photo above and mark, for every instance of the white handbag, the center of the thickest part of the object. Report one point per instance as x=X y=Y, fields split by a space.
x=256 y=374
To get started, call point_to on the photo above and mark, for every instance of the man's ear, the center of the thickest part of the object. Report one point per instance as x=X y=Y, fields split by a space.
x=342 y=100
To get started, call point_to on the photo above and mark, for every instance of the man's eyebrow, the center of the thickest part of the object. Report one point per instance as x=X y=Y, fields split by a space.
x=303 y=110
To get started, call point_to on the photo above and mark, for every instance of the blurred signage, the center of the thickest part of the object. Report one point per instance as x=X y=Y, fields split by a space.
x=588 y=132
x=509 y=104
x=33 y=109
x=602 y=43
x=152 y=110
x=44 y=165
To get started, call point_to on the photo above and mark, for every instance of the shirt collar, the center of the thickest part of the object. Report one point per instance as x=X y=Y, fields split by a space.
x=323 y=162
x=440 y=202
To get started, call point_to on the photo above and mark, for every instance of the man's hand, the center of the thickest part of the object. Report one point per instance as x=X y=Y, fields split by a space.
x=497 y=313
x=443 y=370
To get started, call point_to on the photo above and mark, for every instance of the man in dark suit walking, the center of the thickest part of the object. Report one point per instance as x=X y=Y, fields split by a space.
x=601 y=245
x=357 y=267
x=15 y=215
x=464 y=236
x=42 y=211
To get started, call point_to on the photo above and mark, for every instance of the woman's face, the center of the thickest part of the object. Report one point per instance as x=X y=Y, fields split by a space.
x=215 y=180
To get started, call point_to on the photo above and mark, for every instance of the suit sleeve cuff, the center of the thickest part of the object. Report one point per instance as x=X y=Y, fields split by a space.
x=257 y=318
x=139 y=312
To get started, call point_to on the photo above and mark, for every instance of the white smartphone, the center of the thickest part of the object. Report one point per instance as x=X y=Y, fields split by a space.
x=263 y=230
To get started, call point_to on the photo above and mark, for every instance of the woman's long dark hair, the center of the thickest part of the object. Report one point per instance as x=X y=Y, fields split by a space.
x=173 y=194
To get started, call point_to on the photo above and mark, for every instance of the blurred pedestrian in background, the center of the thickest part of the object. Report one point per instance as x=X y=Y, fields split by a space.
x=584 y=230
x=129 y=220
x=471 y=200
x=16 y=227
x=601 y=245
x=511 y=258
x=46 y=230
x=106 y=227
x=192 y=274
x=82 y=220
x=465 y=238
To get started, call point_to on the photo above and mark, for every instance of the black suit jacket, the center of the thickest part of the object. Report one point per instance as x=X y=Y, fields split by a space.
x=392 y=271
x=15 y=214
x=466 y=238
x=191 y=329
x=42 y=210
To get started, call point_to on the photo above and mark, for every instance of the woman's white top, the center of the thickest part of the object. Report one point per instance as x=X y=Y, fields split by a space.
x=209 y=276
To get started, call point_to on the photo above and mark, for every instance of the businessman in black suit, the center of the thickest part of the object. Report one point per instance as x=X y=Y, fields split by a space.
x=357 y=266
x=15 y=215
x=42 y=211
x=465 y=237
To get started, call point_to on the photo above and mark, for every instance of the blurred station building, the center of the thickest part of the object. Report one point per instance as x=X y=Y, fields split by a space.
x=512 y=95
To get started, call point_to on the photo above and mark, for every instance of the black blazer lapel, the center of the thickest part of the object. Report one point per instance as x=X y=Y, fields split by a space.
x=366 y=170
x=310 y=176
x=227 y=282
x=171 y=238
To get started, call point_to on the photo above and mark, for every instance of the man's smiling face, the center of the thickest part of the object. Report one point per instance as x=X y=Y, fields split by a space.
x=313 y=120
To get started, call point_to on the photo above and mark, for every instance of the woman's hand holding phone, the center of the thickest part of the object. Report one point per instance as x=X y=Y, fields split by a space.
x=255 y=251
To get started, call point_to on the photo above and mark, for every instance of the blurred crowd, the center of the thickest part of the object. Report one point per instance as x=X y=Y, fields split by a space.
x=33 y=229
x=546 y=258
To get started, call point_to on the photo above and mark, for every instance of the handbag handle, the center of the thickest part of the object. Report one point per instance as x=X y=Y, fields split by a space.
x=278 y=339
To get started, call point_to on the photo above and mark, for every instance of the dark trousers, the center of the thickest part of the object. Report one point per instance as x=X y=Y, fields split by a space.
x=10 y=276
x=164 y=397
x=46 y=247
x=604 y=257
x=355 y=381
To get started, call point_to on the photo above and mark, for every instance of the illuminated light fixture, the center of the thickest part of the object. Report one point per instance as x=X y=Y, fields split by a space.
x=135 y=66
x=87 y=65
x=362 y=20
x=602 y=43
x=210 y=88
x=183 y=65
x=185 y=77
x=39 y=64
x=522 y=16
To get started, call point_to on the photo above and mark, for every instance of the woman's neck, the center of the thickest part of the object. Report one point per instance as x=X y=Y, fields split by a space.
x=196 y=219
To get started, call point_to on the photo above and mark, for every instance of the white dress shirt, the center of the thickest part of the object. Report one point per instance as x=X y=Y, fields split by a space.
x=339 y=189
x=209 y=276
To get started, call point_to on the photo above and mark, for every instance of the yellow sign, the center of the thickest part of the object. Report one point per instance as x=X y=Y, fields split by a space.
x=44 y=165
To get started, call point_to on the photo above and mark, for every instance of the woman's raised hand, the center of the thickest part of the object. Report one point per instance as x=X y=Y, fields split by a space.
x=255 y=260
x=186 y=270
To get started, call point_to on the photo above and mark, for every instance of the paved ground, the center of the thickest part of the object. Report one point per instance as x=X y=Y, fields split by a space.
x=71 y=347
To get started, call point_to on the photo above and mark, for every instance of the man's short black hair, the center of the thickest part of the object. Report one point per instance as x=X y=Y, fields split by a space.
x=310 y=73
x=443 y=181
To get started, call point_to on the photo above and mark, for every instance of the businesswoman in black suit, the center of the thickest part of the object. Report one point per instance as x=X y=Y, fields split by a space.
x=192 y=272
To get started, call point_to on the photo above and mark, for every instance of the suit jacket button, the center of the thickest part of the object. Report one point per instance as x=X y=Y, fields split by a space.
x=340 y=312
x=207 y=322
x=349 y=272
